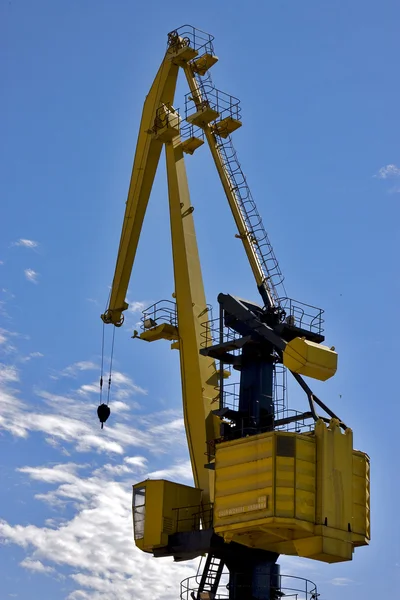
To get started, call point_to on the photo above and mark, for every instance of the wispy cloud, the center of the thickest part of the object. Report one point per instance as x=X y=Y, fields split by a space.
x=389 y=171
x=96 y=543
x=395 y=190
x=36 y=566
x=70 y=420
x=23 y=242
x=6 y=347
x=180 y=471
x=30 y=356
x=341 y=581
x=8 y=374
x=78 y=367
x=122 y=389
x=138 y=307
x=31 y=275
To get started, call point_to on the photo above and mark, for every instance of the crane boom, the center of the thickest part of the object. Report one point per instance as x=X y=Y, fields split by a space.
x=147 y=156
x=159 y=126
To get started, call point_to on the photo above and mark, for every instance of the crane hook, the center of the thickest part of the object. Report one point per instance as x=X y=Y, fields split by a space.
x=103 y=412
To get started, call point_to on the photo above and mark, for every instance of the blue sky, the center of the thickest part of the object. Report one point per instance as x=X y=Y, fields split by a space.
x=320 y=147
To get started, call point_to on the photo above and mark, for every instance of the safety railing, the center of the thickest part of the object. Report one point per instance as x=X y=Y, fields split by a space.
x=187 y=35
x=302 y=315
x=294 y=314
x=166 y=117
x=286 y=586
x=193 y=518
x=188 y=130
x=231 y=394
x=163 y=311
x=224 y=104
x=280 y=388
x=288 y=420
x=211 y=331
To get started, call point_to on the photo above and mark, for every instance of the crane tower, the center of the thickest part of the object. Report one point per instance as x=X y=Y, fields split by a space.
x=267 y=480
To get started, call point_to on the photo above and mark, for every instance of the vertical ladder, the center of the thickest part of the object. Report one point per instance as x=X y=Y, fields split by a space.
x=210 y=578
x=268 y=262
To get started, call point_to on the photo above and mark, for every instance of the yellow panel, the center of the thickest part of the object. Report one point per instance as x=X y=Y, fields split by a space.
x=334 y=475
x=361 y=495
x=203 y=117
x=226 y=126
x=165 y=331
x=301 y=494
x=324 y=549
x=310 y=359
x=191 y=144
x=203 y=63
x=183 y=55
x=168 y=508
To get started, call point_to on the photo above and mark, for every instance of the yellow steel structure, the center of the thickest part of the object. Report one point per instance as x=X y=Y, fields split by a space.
x=294 y=493
x=310 y=359
x=301 y=494
x=162 y=507
x=158 y=129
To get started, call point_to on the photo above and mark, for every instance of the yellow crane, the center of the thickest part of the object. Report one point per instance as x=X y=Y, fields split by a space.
x=267 y=480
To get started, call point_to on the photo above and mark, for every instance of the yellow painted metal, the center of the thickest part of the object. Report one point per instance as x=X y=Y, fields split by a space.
x=191 y=144
x=165 y=331
x=163 y=508
x=310 y=359
x=183 y=53
x=226 y=126
x=203 y=116
x=202 y=64
x=304 y=494
x=148 y=150
x=300 y=494
x=166 y=124
x=198 y=395
x=159 y=125
x=229 y=187
x=361 y=498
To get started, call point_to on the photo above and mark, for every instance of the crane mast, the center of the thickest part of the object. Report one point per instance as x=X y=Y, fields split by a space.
x=265 y=477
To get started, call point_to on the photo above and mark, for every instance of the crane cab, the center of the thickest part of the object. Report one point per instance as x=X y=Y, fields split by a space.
x=304 y=494
x=161 y=508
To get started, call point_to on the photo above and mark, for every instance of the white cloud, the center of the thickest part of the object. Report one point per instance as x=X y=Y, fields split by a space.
x=31 y=275
x=93 y=301
x=30 y=356
x=122 y=388
x=25 y=243
x=36 y=566
x=72 y=419
x=96 y=542
x=138 y=307
x=6 y=347
x=8 y=374
x=388 y=171
x=395 y=190
x=178 y=472
x=137 y=461
x=75 y=368
x=341 y=581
